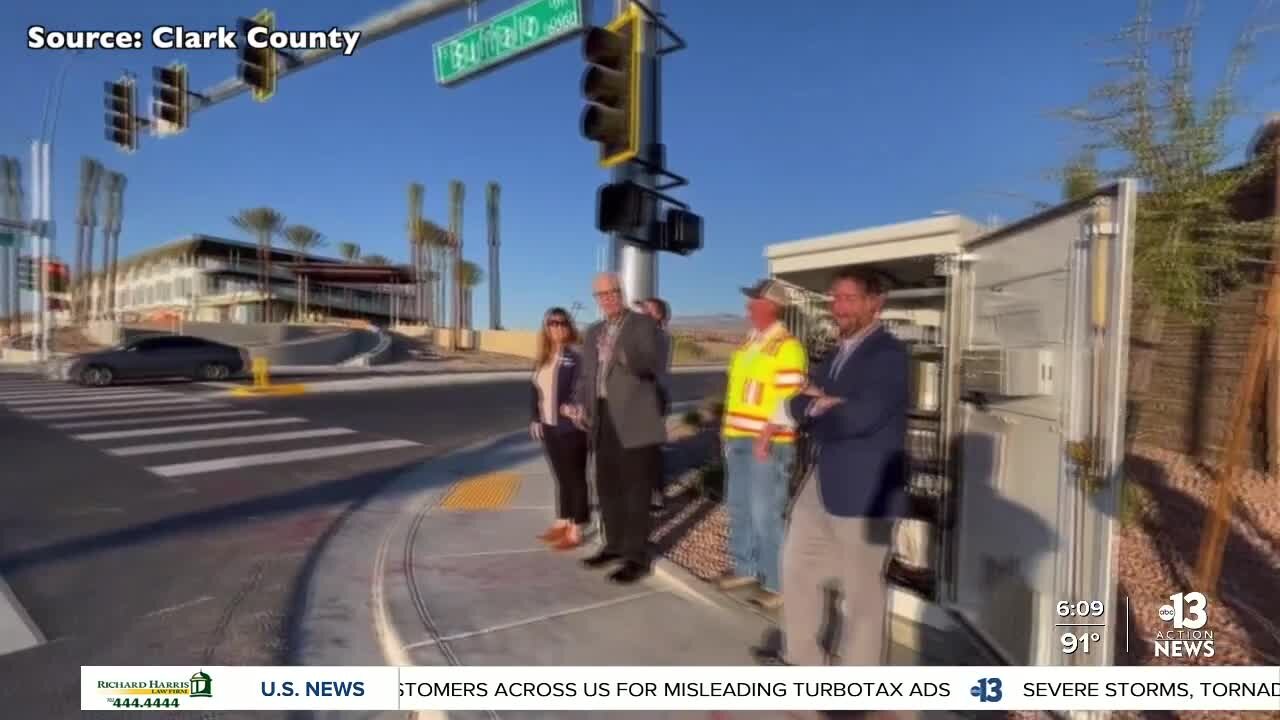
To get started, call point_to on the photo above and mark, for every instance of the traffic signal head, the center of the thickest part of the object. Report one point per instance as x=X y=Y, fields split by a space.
x=122 y=114
x=681 y=232
x=170 y=101
x=611 y=86
x=619 y=207
x=258 y=68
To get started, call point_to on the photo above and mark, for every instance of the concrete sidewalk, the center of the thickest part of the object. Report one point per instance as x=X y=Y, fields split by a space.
x=444 y=568
x=353 y=381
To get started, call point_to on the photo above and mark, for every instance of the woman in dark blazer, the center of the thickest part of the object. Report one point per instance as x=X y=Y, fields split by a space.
x=555 y=373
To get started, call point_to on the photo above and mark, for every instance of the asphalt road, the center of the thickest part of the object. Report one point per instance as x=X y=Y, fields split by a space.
x=174 y=531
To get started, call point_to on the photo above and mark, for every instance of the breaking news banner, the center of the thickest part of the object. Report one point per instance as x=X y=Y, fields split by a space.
x=203 y=689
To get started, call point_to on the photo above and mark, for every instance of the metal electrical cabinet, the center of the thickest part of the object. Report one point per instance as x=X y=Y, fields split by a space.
x=1035 y=371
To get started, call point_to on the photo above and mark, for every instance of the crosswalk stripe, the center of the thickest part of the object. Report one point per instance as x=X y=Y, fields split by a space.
x=176 y=405
x=223 y=442
x=91 y=399
x=155 y=419
x=35 y=395
x=231 y=463
x=177 y=429
x=42 y=412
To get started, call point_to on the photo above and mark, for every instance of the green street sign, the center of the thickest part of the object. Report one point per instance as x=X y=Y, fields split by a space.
x=8 y=239
x=507 y=36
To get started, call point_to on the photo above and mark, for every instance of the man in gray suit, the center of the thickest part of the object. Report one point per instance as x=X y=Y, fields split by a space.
x=622 y=363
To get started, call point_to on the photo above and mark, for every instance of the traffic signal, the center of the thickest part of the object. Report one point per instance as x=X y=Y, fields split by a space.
x=59 y=276
x=122 y=114
x=258 y=66
x=681 y=232
x=170 y=101
x=611 y=86
x=619 y=207
x=26 y=273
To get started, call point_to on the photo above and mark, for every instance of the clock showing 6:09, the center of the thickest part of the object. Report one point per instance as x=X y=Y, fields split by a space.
x=1081 y=608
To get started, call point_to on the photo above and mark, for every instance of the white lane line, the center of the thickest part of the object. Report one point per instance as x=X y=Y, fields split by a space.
x=109 y=404
x=222 y=442
x=22 y=405
x=178 y=429
x=232 y=463
x=169 y=406
x=155 y=419
x=32 y=391
x=72 y=395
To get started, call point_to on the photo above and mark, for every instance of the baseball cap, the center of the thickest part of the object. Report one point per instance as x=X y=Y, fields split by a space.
x=770 y=290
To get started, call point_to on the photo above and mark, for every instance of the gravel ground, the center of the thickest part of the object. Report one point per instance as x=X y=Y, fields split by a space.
x=1157 y=555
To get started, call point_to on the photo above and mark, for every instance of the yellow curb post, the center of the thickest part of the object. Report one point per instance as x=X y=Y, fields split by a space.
x=262 y=386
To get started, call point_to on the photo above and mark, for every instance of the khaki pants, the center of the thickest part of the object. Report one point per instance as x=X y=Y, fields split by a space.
x=852 y=552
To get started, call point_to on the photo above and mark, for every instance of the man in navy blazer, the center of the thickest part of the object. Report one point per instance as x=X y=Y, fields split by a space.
x=855 y=412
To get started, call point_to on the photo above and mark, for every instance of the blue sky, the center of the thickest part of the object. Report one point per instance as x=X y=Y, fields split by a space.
x=820 y=117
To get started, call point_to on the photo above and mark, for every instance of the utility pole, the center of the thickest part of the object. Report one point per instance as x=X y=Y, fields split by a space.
x=10 y=210
x=456 y=192
x=495 y=283
x=15 y=211
x=416 y=239
x=637 y=266
x=110 y=228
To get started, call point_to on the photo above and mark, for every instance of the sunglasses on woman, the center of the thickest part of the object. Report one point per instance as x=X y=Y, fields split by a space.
x=557 y=323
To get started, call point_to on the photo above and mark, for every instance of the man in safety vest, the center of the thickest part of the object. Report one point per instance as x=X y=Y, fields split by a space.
x=768 y=368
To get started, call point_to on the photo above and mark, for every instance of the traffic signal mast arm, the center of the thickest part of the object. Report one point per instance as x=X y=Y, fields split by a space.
x=376 y=28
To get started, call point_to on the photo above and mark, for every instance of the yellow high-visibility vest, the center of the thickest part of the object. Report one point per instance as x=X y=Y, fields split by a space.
x=763 y=372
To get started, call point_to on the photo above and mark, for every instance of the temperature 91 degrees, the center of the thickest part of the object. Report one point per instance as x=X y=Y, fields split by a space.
x=1082 y=614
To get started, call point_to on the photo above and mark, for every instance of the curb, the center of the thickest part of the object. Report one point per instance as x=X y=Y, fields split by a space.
x=268 y=390
x=17 y=630
x=418 y=500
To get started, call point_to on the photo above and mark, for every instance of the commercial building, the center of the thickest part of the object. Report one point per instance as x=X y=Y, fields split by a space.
x=212 y=279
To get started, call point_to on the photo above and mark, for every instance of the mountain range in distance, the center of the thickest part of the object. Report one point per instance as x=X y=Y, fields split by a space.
x=723 y=322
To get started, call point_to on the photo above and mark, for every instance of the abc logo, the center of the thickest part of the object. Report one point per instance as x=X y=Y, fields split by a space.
x=1166 y=613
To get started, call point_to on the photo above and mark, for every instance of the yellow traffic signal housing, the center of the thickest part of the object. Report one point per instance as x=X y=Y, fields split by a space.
x=259 y=67
x=170 y=100
x=612 y=87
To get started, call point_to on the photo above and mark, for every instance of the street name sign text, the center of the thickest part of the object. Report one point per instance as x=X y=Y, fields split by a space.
x=526 y=27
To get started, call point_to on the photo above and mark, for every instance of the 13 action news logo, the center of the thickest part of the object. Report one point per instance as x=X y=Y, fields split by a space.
x=988 y=690
x=1187 y=613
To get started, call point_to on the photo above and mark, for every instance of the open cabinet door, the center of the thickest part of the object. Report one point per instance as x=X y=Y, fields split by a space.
x=1037 y=361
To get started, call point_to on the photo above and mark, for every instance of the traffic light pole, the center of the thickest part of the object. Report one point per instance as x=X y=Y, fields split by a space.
x=638 y=266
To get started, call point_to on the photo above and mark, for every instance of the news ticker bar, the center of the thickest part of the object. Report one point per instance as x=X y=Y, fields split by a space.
x=202 y=689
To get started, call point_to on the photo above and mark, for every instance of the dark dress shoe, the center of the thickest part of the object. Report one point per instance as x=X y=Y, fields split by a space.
x=601 y=559
x=629 y=573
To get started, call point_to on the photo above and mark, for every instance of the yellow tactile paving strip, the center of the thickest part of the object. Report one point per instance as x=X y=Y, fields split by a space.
x=492 y=491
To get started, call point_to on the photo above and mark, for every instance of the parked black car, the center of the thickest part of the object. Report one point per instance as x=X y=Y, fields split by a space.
x=155 y=357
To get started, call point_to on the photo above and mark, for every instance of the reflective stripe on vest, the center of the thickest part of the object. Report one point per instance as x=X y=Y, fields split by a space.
x=757 y=383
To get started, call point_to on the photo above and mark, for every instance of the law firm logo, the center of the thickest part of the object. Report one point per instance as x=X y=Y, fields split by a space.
x=1183 y=635
x=151 y=693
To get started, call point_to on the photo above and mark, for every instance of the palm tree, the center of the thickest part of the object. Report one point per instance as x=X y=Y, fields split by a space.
x=427 y=237
x=441 y=244
x=469 y=276
x=264 y=224
x=349 y=251
x=375 y=260
x=302 y=239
